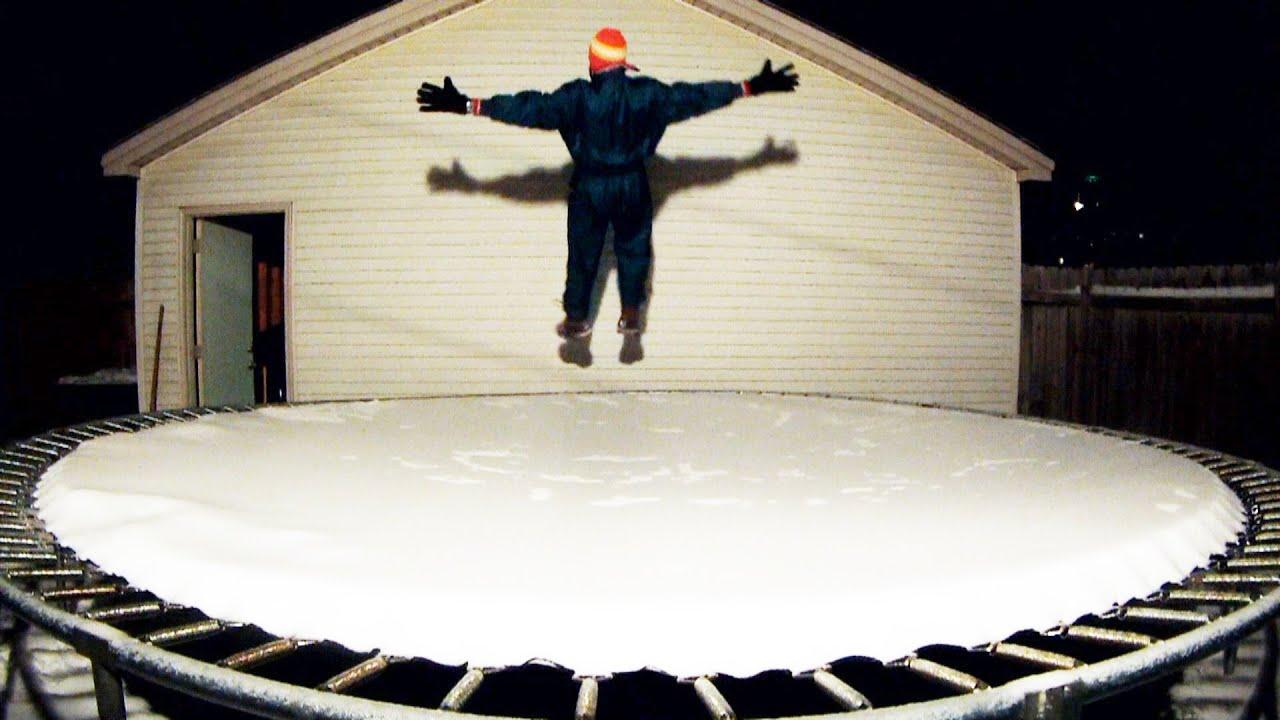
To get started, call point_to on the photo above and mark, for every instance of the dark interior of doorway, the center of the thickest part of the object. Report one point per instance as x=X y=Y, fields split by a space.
x=267 y=229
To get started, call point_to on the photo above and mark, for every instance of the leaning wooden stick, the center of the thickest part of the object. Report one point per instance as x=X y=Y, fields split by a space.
x=155 y=360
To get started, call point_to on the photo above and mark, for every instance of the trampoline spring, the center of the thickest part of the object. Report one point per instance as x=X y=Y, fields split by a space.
x=13 y=474
x=22 y=541
x=712 y=699
x=840 y=691
x=1246 y=471
x=262 y=653
x=1262 y=549
x=81 y=593
x=1267 y=496
x=1225 y=464
x=14 y=556
x=28 y=466
x=181 y=633
x=10 y=502
x=1199 y=596
x=116 y=426
x=132 y=611
x=11 y=492
x=1035 y=656
x=1238 y=578
x=15 y=527
x=1107 y=636
x=955 y=679
x=31 y=445
x=81 y=434
x=351 y=677
x=1266 y=536
x=1164 y=615
x=1266 y=507
x=462 y=691
x=46 y=573
x=98 y=430
x=36 y=459
x=1253 y=563
x=71 y=441
x=1257 y=482
x=588 y=699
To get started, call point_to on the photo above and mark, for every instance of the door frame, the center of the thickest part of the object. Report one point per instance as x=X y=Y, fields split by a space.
x=188 y=215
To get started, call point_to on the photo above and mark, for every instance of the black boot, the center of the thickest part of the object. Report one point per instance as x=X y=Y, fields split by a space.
x=571 y=329
x=629 y=323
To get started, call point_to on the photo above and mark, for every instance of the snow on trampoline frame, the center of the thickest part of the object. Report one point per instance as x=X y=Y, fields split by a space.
x=1214 y=607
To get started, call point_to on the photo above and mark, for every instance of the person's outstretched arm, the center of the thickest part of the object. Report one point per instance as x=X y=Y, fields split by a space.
x=531 y=108
x=688 y=100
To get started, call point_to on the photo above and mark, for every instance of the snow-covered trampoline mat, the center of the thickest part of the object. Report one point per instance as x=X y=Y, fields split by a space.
x=689 y=532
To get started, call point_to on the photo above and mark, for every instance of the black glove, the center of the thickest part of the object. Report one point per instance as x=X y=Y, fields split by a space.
x=784 y=79
x=433 y=98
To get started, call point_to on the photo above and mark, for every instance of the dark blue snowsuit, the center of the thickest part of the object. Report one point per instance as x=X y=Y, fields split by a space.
x=610 y=124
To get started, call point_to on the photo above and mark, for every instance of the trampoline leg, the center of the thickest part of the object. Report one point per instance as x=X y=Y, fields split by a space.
x=109 y=691
x=1060 y=703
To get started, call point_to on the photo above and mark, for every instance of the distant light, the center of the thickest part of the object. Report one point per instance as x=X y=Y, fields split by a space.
x=1062 y=261
x=1077 y=205
x=1141 y=235
x=1092 y=179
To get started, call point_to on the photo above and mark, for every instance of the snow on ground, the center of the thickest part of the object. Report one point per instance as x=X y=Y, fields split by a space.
x=693 y=533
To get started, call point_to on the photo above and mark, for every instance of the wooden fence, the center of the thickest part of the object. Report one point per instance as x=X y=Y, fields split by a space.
x=1189 y=353
x=52 y=330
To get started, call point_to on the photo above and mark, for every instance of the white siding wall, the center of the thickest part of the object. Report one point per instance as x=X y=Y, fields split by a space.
x=881 y=262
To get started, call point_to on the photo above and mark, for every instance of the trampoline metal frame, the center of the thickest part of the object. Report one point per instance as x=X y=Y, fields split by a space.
x=29 y=554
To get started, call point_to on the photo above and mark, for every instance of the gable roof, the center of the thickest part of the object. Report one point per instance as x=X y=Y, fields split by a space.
x=758 y=18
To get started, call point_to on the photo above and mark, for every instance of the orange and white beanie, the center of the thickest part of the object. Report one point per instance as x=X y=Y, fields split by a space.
x=608 y=50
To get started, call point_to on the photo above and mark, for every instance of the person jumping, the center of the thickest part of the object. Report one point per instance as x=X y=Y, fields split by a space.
x=610 y=124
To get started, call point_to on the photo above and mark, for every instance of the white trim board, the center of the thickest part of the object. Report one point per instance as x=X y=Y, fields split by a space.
x=374 y=30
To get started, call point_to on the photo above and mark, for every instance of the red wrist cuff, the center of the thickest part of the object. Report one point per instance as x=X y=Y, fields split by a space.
x=474 y=106
x=746 y=88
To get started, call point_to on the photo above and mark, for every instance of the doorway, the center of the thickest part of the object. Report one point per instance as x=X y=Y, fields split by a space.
x=238 y=333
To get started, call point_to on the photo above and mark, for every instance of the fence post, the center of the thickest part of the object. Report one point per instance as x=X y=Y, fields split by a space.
x=1081 y=370
x=1275 y=295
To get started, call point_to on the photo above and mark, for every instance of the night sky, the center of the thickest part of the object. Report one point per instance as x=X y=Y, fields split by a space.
x=1171 y=106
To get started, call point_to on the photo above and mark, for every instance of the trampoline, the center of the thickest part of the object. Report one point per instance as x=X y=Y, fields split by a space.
x=613 y=555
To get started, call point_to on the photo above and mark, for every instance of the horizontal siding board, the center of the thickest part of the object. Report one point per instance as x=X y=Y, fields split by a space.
x=874 y=261
x=330 y=181
x=814 y=277
x=338 y=321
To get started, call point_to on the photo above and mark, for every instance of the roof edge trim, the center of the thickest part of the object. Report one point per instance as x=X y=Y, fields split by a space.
x=262 y=83
x=758 y=18
x=884 y=80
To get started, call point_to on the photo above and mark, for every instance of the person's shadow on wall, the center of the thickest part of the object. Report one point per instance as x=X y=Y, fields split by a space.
x=667 y=176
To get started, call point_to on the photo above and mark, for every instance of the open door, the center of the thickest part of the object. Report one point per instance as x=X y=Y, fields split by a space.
x=224 y=314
